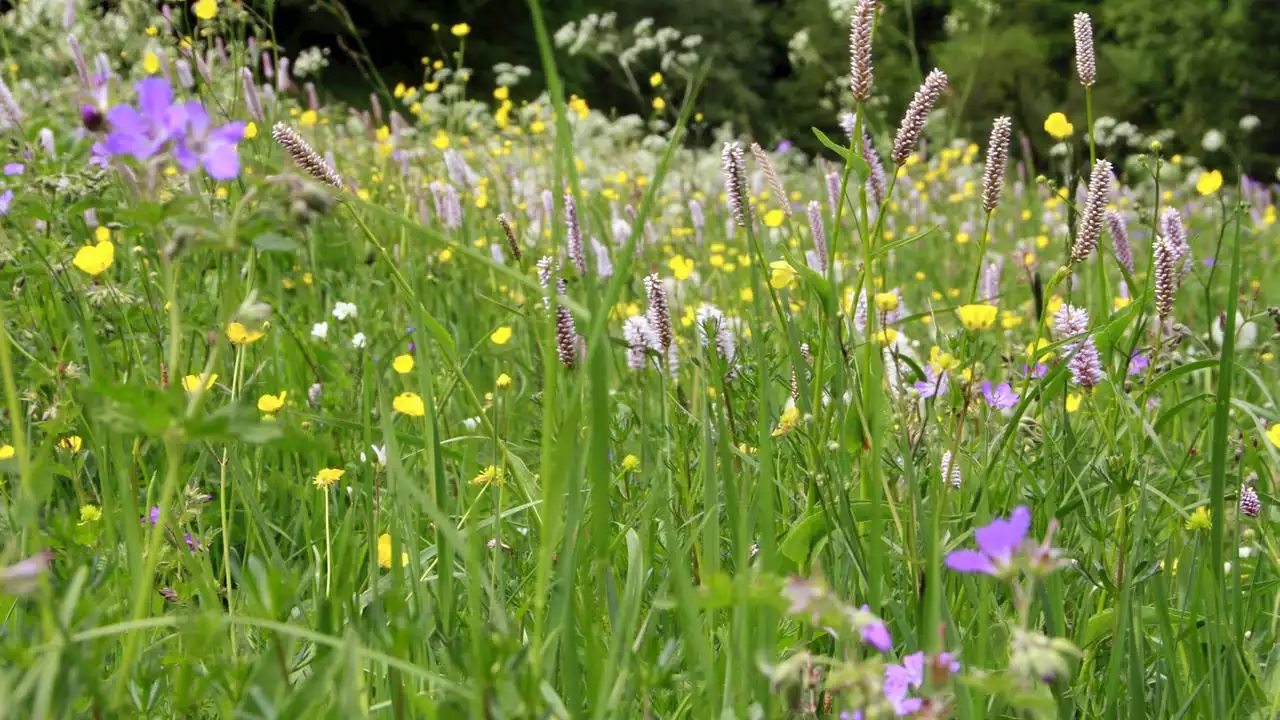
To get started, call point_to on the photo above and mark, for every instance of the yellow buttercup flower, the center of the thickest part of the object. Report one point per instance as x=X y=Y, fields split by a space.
x=503 y=382
x=238 y=334
x=151 y=63
x=501 y=93
x=774 y=218
x=90 y=514
x=308 y=118
x=886 y=337
x=655 y=79
x=409 y=403
x=403 y=364
x=659 y=104
x=1273 y=434
x=1058 y=126
x=269 y=403
x=886 y=302
x=95 y=259
x=327 y=477
x=977 y=317
x=501 y=336
x=783 y=275
x=191 y=383
x=250 y=130
x=1073 y=402
x=205 y=9
x=1209 y=182
x=441 y=140
x=630 y=462
x=72 y=443
x=460 y=30
x=681 y=267
x=384 y=552
x=6 y=451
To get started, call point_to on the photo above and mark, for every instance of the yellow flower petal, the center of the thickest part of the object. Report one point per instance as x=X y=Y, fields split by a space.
x=501 y=336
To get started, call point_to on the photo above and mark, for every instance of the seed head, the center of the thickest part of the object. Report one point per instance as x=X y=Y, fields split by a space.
x=913 y=121
x=997 y=156
x=1250 y=506
x=950 y=471
x=1086 y=67
x=1095 y=205
x=1165 y=261
x=1120 y=239
x=566 y=337
x=860 y=75
x=819 y=234
x=734 y=165
x=659 y=311
x=573 y=231
x=876 y=186
x=513 y=244
x=771 y=176
x=304 y=156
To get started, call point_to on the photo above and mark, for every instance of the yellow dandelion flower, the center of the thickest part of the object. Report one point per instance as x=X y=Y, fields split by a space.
x=1200 y=520
x=327 y=477
x=489 y=475
x=384 y=552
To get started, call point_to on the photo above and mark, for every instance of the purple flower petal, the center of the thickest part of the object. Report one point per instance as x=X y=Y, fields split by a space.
x=877 y=636
x=970 y=561
x=1002 y=537
x=154 y=96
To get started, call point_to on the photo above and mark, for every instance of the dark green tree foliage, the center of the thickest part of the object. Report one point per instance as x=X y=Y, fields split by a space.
x=1187 y=65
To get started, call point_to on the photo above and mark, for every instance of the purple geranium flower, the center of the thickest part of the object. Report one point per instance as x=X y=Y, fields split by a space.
x=1138 y=363
x=143 y=131
x=211 y=148
x=997 y=544
x=1001 y=397
x=933 y=384
x=11 y=169
x=153 y=516
x=900 y=680
x=6 y=200
x=874 y=633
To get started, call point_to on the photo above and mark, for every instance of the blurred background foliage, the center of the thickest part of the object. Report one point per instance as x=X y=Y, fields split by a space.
x=1189 y=66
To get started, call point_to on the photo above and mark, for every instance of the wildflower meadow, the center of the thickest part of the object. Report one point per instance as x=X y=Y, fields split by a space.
x=448 y=404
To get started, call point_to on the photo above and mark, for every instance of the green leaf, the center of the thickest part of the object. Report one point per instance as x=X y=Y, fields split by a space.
x=859 y=165
x=274 y=242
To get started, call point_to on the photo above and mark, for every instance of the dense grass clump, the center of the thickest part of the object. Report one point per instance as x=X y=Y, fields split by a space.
x=452 y=407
